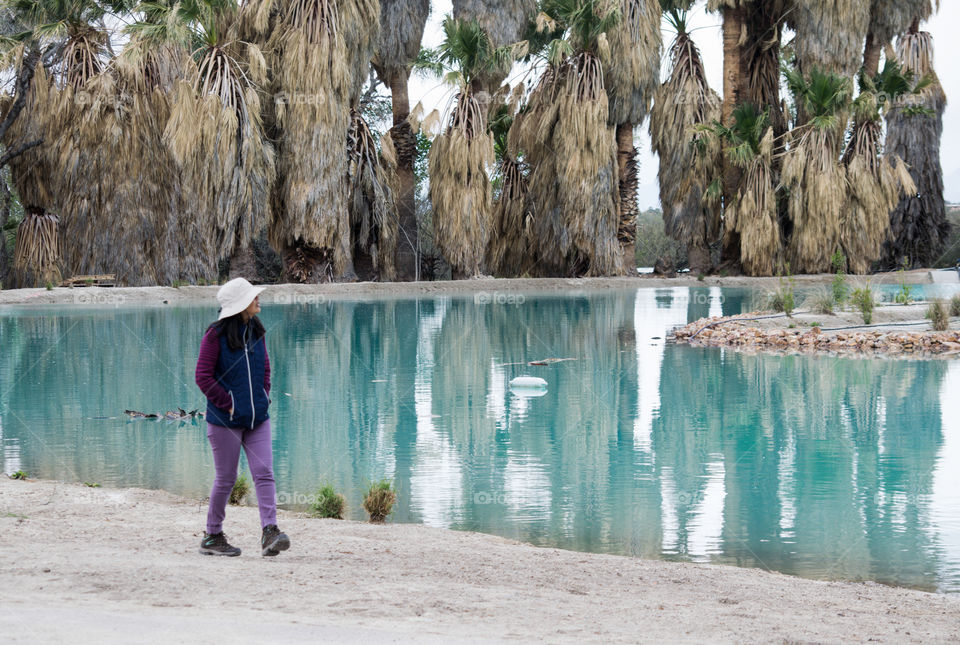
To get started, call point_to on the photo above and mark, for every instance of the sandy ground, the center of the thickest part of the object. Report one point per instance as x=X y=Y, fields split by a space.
x=310 y=294
x=886 y=318
x=91 y=565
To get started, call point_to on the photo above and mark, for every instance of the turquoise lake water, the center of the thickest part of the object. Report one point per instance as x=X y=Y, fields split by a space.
x=831 y=468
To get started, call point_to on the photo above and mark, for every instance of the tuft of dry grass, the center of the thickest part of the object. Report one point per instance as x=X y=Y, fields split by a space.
x=955 y=305
x=241 y=488
x=329 y=503
x=821 y=302
x=864 y=301
x=379 y=500
x=937 y=314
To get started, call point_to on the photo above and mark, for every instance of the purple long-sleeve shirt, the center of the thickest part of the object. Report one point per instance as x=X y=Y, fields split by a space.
x=207 y=364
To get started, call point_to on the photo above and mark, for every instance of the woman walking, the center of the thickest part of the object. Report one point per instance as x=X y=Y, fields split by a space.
x=233 y=371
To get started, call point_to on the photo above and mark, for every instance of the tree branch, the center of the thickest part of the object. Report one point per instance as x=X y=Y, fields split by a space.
x=13 y=154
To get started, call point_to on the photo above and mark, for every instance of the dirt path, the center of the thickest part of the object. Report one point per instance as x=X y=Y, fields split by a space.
x=310 y=294
x=91 y=565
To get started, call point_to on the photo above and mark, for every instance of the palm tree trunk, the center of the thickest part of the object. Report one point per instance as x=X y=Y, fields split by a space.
x=627 y=172
x=4 y=215
x=405 y=143
x=733 y=18
x=871 y=55
x=243 y=264
x=698 y=256
x=733 y=22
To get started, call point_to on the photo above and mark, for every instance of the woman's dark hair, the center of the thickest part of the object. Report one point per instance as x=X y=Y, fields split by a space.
x=231 y=327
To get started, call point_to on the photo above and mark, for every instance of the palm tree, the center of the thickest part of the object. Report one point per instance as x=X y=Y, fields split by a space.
x=631 y=75
x=60 y=30
x=876 y=182
x=511 y=250
x=505 y=22
x=830 y=35
x=228 y=179
x=750 y=218
x=401 y=30
x=319 y=53
x=689 y=159
x=98 y=120
x=373 y=224
x=890 y=18
x=734 y=14
x=914 y=127
x=811 y=171
x=565 y=135
x=36 y=256
x=460 y=189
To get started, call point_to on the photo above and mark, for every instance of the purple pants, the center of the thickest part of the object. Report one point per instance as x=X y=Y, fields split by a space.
x=226 y=444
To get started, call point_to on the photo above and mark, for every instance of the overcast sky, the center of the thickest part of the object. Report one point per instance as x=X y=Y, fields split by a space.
x=706 y=33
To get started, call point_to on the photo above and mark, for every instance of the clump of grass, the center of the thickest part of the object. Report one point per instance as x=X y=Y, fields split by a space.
x=329 y=503
x=955 y=305
x=379 y=500
x=840 y=289
x=49 y=286
x=782 y=299
x=863 y=300
x=937 y=313
x=903 y=296
x=20 y=474
x=91 y=484
x=240 y=489
x=821 y=302
x=838 y=261
x=700 y=277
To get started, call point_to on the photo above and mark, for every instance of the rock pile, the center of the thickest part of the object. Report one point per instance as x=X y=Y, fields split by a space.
x=734 y=331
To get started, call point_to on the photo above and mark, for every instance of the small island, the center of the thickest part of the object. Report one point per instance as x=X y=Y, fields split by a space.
x=893 y=330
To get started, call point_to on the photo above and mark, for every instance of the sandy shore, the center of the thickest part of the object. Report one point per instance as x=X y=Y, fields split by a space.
x=92 y=565
x=310 y=294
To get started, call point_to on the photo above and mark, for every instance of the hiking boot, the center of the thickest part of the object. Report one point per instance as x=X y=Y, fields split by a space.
x=216 y=544
x=273 y=541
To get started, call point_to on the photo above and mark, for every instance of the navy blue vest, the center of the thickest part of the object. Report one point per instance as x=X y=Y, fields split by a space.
x=241 y=373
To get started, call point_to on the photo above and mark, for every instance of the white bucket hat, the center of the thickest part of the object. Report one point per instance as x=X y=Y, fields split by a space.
x=235 y=296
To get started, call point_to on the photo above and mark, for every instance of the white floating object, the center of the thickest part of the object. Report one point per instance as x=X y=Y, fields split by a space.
x=528 y=383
